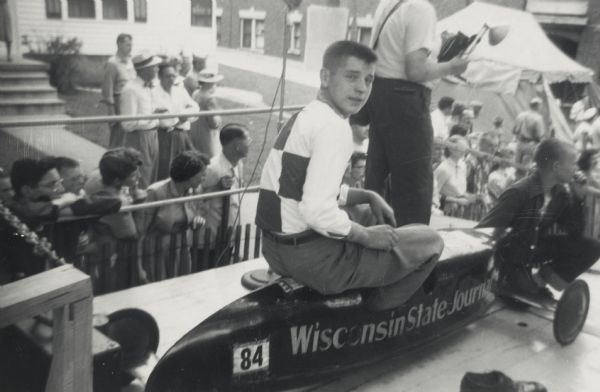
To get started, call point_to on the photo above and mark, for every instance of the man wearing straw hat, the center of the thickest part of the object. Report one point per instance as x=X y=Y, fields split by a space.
x=205 y=131
x=137 y=99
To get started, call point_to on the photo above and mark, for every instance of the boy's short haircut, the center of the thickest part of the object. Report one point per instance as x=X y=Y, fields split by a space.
x=548 y=152
x=118 y=164
x=232 y=131
x=187 y=164
x=64 y=163
x=123 y=36
x=339 y=51
x=27 y=171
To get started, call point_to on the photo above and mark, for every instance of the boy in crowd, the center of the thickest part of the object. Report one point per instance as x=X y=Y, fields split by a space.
x=306 y=235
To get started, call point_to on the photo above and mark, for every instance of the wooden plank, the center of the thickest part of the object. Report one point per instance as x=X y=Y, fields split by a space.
x=237 y=241
x=247 y=242
x=82 y=344
x=59 y=376
x=41 y=292
x=194 y=250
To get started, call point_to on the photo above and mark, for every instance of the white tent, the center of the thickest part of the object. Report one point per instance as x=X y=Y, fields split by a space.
x=506 y=76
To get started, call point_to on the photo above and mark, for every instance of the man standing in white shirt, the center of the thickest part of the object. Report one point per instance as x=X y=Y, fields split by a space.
x=440 y=118
x=136 y=99
x=225 y=172
x=401 y=135
x=173 y=133
x=118 y=70
x=306 y=234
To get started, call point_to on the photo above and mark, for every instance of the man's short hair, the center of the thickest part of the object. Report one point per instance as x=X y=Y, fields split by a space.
x=64 y=163
x=548 y=152
x=445 y=103
x=231 y=132
x=357 y=156
x=339 y=51
x=458 y=129
x=122 y=37
x=187 y=164
x=162 y=66
x=28 y=171
x=118 y=164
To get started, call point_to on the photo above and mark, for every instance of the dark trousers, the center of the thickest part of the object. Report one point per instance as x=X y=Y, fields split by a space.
x=568 y=256
x=170 y=144
x=400 y=145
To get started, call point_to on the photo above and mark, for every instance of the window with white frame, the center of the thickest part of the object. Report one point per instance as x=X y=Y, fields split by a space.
x=114 y=9
x=364 y=35
x=364 y=29
x=53 y=9
x=252 y=29
x=202 y=13
x=81 y=9
x=140 y=10
x=294 y=21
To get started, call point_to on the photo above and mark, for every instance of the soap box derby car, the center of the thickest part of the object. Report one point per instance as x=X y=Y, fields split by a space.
x=285 y=335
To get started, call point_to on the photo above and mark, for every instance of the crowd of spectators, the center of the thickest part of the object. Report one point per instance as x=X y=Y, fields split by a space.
x=158 y=159
x=147 y=160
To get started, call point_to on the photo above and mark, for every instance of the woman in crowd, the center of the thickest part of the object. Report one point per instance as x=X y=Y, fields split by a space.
x=159 y=225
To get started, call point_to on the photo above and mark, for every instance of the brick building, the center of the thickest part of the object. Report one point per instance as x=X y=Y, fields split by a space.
x=257 y=25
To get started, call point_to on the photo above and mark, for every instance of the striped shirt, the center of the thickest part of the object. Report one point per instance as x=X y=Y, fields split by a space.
x=300 y=186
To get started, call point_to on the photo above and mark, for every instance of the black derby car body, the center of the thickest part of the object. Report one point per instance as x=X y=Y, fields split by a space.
x=286 y=335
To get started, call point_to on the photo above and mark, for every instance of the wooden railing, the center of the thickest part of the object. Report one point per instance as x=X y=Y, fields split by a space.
x=67 y=293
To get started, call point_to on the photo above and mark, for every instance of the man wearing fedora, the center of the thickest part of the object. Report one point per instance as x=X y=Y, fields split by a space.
x=136 y=99
x=198 y=65
x=205 y=131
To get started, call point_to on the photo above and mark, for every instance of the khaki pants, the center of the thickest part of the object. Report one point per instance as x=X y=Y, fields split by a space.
x=332 y=266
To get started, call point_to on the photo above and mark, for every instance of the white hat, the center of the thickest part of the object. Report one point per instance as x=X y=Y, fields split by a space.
x=588 y=114
x=535 y=100
x=145 y=59
x=209 y=77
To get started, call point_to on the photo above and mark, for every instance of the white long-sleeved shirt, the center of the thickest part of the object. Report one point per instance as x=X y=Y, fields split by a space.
x=136 y=99
x=300 y=182
x=177 y=101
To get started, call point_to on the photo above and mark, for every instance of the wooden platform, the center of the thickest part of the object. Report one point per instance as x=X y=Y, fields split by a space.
x=518 y=343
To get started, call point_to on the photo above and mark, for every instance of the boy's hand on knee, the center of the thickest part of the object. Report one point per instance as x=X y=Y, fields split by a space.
x=382 y=211
x=383 y=237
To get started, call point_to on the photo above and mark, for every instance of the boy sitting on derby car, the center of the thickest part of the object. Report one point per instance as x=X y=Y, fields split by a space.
x=307 y=236
x=552 y=195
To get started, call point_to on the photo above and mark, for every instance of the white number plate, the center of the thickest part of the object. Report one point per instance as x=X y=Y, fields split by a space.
x=251 y=357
